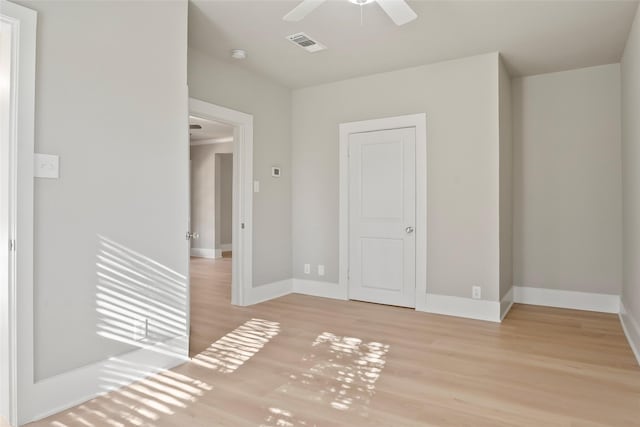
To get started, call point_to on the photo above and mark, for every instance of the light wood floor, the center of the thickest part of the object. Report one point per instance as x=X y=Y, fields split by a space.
x=305 y=361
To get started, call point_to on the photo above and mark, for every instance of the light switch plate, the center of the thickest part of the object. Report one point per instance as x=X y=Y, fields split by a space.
x=256 y=186
x=45 y=166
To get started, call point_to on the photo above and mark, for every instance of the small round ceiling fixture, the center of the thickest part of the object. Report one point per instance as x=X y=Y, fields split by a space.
x=239 y=54
x=361 y=2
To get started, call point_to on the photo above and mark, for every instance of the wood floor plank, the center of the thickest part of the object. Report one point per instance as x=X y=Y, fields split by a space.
x=308 y=361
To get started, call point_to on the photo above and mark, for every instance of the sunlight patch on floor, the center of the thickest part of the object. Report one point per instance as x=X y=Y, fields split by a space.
x=144 y=402
x=342 y=374
x=238 y=346
x=141 y=403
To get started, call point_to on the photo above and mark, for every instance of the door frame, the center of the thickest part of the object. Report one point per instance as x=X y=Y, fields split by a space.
x=241 y=240
x=23 y=22
x=419 y=122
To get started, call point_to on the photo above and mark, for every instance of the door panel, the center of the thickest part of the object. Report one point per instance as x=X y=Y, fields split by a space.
x=381 y=208
x=382 y=275
x=379 y=198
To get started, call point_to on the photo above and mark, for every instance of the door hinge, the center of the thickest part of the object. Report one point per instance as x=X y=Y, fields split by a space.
x=12 y=245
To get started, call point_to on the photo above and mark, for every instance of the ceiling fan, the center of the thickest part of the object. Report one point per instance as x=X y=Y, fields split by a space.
x=398 y=10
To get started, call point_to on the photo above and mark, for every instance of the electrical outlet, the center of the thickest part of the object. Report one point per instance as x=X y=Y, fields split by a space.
x=321 y=270
x=307 y=269
x=141 y=329
x=476 y=292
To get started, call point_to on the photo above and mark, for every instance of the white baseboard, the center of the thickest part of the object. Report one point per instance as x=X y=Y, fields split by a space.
x=61 y=392
x=604 y=303
x=319 y=289
x=225 y=247
x=631 y=329
x=506 y=303
x=204 y=253
x=269 y=291
x=460 y=307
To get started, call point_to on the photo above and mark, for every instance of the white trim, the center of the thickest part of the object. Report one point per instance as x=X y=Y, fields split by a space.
x=242 y=261
x=24 y=21
x=204 y=253
x=319 y=289
x=462 y=307
x=8 y=199
x=66 y=390
x=224 y=247
x=269 y=291
x=419 y=122
x=222 y=140
x=421 y=302
x=631 y=329
x=506 y=303
x=604 y=303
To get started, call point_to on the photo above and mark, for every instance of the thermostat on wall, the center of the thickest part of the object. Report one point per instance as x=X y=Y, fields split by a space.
x=275 y=172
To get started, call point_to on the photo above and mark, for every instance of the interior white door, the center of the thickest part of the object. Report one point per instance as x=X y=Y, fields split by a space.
x=6 y=202
x=382 y=213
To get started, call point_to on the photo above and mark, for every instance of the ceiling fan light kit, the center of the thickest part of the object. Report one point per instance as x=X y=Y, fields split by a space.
x=398 y=10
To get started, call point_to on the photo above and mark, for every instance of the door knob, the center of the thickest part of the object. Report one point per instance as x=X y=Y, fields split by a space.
x=409 y=230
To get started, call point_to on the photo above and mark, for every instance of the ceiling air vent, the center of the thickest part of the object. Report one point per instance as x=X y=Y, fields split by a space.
x=306 y=42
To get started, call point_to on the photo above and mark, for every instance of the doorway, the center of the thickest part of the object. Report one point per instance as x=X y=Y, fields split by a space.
x=211 y=160
x=17 y=107
x=383 y=225
x=221 y=146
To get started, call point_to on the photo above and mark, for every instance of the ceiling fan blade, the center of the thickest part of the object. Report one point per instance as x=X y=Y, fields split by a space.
x=303 y=9
x=398 y=10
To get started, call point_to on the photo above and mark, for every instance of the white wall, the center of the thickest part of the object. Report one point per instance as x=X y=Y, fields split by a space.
x=460 y=99
x=567 y=196
x=630 y=72
x=203 y=193
x=235 y=87
x=506 y=177
x=111 y=101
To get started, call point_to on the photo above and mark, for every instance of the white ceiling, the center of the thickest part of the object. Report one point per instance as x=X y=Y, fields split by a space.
x=211 y=130
x=533 y=36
